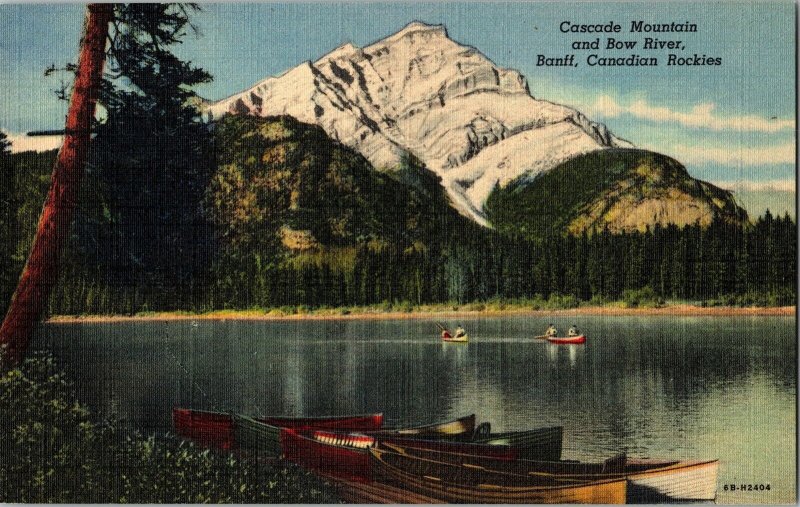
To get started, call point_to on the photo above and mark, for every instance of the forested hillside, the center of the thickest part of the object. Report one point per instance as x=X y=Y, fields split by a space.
x=614 y=189
x=287 y=217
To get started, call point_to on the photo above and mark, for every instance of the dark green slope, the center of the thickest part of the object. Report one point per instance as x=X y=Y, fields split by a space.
x=284 y=183
x=24 y=180
x=618 y=189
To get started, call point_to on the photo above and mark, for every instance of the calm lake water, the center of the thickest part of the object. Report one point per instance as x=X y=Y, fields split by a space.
x=683 y=387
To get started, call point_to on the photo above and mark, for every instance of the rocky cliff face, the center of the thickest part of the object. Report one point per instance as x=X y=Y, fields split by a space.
x=418 y=91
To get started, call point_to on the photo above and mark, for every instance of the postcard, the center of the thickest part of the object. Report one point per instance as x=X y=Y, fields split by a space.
x=378 y=252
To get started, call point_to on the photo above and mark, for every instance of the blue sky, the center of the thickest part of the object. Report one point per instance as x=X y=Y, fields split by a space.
x=731 y=124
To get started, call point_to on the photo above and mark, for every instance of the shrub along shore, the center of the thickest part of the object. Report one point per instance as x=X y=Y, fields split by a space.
x=56 y=451
x=634 y=303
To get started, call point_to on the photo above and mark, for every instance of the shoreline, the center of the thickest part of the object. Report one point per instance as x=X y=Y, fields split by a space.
x=682 y=310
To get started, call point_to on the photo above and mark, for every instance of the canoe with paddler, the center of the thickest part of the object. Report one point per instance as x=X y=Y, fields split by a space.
x=459 y=335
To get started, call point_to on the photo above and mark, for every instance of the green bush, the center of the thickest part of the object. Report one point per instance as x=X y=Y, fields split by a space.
x=597 y=300
x=538 y=302
x=645 y=297
x=406 y=307
x=476 y=307
x=780 y=297
x=559 y=302
x=53 y=451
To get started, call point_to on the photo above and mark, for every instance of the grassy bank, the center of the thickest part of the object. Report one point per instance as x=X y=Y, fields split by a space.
x=54 y=450
x=636 y=303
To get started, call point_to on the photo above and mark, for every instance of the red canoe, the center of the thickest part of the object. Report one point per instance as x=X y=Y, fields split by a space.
x=346 y=455
x=567 y=340
x=215 y=429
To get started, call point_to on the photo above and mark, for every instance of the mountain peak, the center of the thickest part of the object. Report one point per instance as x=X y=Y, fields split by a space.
x=418 y=27
x=417 y=91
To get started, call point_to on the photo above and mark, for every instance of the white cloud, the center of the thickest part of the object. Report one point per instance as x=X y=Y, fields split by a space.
x=788 y=185
x=699 y=116
x=732 y=155
x=22 y=142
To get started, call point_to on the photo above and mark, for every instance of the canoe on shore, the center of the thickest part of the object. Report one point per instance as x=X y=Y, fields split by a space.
x=331 y=452
x=465 y=484
x=463 y=427
x=540 y=443
x=567 y=340
x=649 y=480
x=346 y=456
x=225 y=431
x=215 y=429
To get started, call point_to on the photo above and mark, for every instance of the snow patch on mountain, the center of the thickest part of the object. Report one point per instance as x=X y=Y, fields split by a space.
x=473 y=123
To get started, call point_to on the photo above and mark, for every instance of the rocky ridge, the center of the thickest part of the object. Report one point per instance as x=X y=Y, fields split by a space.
x=473 y=123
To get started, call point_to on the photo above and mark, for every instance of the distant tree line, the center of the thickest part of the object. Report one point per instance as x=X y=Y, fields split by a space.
x=689 y=263
x=751 y=264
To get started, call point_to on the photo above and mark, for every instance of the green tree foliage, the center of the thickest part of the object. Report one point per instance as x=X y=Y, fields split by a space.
x=294 y=213
x=55 y=451
x=300 y=220
x=8 y=222
x=439 y=256
x=143 y=224
x=5 y=144
x=25 y=179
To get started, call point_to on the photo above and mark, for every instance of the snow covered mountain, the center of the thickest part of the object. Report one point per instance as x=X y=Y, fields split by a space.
x=473 y=123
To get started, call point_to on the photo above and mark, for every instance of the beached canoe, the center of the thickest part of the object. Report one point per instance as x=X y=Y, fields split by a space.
x=463 y=427
x=540 y=443
x=346 y=456
x=656 y=480
x=215 y=429
x=253 y=435
x=465 y=484
x=649 y=480
x=567 y=340
x=343 y=456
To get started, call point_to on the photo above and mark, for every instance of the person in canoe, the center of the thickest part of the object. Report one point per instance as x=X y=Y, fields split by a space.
x=573 y=331
x=460 y=332
x=551 y=331
x=446 y=334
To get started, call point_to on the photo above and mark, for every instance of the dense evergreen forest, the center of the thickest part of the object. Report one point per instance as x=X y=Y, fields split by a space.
x=419 y=254
x=179 y=214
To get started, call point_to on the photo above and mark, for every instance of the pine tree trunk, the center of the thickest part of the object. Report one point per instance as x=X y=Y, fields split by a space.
x=41 y=270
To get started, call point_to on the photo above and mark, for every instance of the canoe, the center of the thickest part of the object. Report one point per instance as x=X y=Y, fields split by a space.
x=457 y=339
x=688 y=480
x=252 y=434
x=649 y=480
x=209 y=429
x=540 y=337
x=567 y=340
x=342 y=456
x=215 y=429
x=465 y=484
x=540 y=443
x=346 y=456
x=463 y=427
